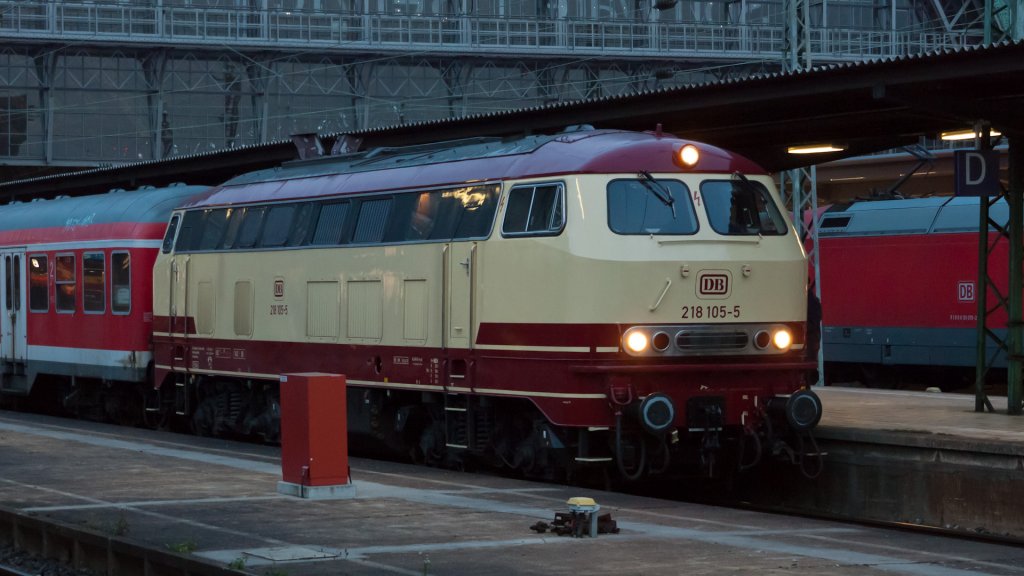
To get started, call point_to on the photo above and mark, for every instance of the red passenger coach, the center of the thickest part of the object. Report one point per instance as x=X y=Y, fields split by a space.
x=76 y=290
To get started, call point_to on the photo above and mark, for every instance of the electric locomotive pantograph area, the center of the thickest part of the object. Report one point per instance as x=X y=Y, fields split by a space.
x=589 y=299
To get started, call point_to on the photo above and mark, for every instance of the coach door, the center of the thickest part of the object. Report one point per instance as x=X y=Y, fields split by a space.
x=12 y=294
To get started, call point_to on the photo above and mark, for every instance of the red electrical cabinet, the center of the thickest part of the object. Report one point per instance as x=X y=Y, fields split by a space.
x=314 y=437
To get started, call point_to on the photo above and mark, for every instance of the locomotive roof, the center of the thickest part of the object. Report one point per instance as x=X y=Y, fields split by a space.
x=936 y=215
x=472 y=160
x=20 y=222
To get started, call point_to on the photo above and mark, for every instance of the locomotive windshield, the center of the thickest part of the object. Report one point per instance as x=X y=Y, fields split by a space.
x=741 y=207
x=639 y=207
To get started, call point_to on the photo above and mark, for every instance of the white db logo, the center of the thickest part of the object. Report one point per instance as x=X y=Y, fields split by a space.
x=965 y=291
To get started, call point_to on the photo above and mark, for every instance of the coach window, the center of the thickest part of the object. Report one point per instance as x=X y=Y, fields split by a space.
x=535 y=211
x=172 y=228
x=65 y=279
x=643 y=206
x=120 y=283
x=278 y=225
x=329 y=223
x=38 y=284
x=94 y=282
x=373 y=215
x=741 y=207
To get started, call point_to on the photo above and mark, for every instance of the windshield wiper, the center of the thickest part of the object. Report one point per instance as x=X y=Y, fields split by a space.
x=659 y=191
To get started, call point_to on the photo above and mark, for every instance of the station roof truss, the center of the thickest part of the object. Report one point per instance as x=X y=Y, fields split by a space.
x=859 y=107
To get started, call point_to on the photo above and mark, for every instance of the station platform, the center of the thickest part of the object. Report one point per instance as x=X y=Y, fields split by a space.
x=917 y=458
x=215 y=503
x=917 y=418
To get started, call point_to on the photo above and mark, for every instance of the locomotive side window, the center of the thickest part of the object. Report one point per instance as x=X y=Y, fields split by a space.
x=93 y=282
x=214 y=225
x=329 y=223
x=278 y=225
x=120 y=283
x=478 y=208
x=172 y=229
x=373 y=215
x=38 y=284
x=250 y=229
x=650 y=207
x=191 y=224
x=535 y=211
x=65 y=279
x=741 y=208
x=301 y=225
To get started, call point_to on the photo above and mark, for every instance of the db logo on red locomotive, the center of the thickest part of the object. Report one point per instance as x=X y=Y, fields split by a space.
x=714 y=284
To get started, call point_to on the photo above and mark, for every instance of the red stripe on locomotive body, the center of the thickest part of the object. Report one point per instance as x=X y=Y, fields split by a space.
x=98 y=331
x=584 y=379
x=916 y=275
x=597 y=335
x=93 y=232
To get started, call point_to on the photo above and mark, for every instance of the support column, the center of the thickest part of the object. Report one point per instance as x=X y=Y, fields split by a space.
x=154 y=67
x=46 y=69
x=261 y=77
x=1015 y=329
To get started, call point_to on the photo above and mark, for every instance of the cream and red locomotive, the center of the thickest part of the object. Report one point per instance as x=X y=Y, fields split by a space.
x=589 y=298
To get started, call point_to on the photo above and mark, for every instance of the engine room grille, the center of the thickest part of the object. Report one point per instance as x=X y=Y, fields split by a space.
x=710 y=341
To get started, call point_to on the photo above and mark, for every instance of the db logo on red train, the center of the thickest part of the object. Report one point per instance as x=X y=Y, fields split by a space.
x=965 y=291
x=714 y=284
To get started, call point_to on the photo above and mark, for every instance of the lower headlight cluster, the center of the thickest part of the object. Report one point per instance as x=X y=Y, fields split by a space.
x=695 y=340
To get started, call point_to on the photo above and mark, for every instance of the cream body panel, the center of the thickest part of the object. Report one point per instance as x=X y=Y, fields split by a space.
x=590 y=274
x=368 y=284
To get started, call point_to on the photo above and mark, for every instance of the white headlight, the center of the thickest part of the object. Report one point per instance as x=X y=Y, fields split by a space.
x=636 y=341
x=782 y=339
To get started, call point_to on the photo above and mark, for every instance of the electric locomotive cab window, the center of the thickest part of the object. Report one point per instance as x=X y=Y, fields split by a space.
x=649 y=206
x=65 y=279
x=535 y=211
x=38 y=283
x=93 y=283
x=741 y=207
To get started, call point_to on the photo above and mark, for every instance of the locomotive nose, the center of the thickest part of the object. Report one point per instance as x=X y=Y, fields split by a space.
x=655 y=413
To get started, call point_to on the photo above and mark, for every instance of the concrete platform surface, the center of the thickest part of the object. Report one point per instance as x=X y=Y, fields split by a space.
x=894 y=417
x=218 y=501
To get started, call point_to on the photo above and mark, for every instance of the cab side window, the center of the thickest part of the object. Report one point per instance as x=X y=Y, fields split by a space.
x=536 y=210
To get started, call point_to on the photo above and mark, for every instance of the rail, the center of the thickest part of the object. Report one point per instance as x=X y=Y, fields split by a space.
x=184 y=26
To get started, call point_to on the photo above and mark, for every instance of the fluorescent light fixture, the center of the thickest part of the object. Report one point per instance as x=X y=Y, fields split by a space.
x=815 y=149
x=965 y=134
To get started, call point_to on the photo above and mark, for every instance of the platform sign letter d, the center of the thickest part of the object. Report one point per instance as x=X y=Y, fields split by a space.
x=976 y=172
